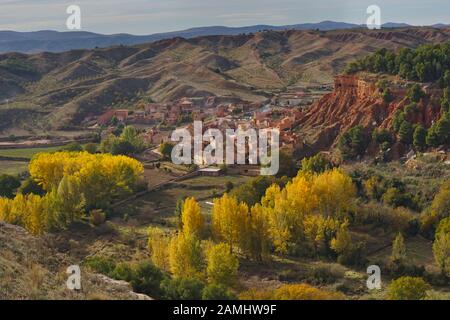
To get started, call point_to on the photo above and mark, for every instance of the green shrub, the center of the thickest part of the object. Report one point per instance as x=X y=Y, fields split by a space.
x=144 y=277
x=408 y=288
x=316 y=164
x=8 y=185
x=318 y=275
x=101 y=265
x=182 y=288
x=217 y=292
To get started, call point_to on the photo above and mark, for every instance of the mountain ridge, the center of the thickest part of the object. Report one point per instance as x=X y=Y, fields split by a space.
x=56 y=41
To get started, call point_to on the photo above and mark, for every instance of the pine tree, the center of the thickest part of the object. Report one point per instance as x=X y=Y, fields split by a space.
x=406 y=132
x=419 y=138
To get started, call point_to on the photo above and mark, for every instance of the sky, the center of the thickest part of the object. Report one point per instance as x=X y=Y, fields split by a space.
x=151 y=16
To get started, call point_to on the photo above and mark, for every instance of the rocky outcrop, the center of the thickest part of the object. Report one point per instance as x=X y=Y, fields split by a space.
x=355 y=101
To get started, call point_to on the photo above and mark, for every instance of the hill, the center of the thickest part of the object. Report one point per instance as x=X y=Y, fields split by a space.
x=31 y=269
x=54 y=41
x=61 y=89
x=356 y=100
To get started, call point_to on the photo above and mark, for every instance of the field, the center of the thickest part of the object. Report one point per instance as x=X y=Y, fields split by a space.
x=27 y=153
x=158 y=206
x=13 y=167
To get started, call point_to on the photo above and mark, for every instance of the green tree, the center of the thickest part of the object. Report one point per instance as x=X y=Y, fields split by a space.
x=183 y=288
x=398 y=249
x=166 y=150
x=131 y=135
x=316 y=164
x=8 y=185
x=121 y=147
x=353 y=143
x=146 y=278
x=287 y=165
x=73 y=147
x=31 y=186
x=439 y=209
x=406 y=132
x=420 y=137
x=415 y=93
x=222 y=265
x=433 y=139
x=399 y=118
x=91 y=148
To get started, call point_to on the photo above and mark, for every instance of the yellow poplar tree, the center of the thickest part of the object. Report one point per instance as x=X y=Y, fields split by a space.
x=256 y=240
x=229 y=220
x=335 y=191
x=158 y=243
x=185 y=256
x=192 y=218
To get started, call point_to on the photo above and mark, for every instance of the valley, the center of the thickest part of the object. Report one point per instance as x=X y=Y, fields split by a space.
x=87 y=177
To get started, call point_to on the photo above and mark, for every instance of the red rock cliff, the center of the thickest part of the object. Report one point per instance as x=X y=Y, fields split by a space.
x=357 y=101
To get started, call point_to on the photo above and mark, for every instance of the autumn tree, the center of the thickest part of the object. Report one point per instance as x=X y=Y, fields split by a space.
x=342 y=244
x=222 y=265
x=158 y=243
x=441 y=246
x=286 y=209
x=256 y=240
x=70 y=200
x=335 y=191
x=192 y=218
x=72 y=182
x=291 y=292
x=185 y=255
x=398 y=249
x=439 y=209
x=229 y=220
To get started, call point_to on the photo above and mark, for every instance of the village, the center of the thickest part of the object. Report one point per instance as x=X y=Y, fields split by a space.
x=156 y=121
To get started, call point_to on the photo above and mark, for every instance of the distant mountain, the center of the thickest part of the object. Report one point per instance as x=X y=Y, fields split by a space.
x=440 y=25
x=54 y=41
x=395 y=25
